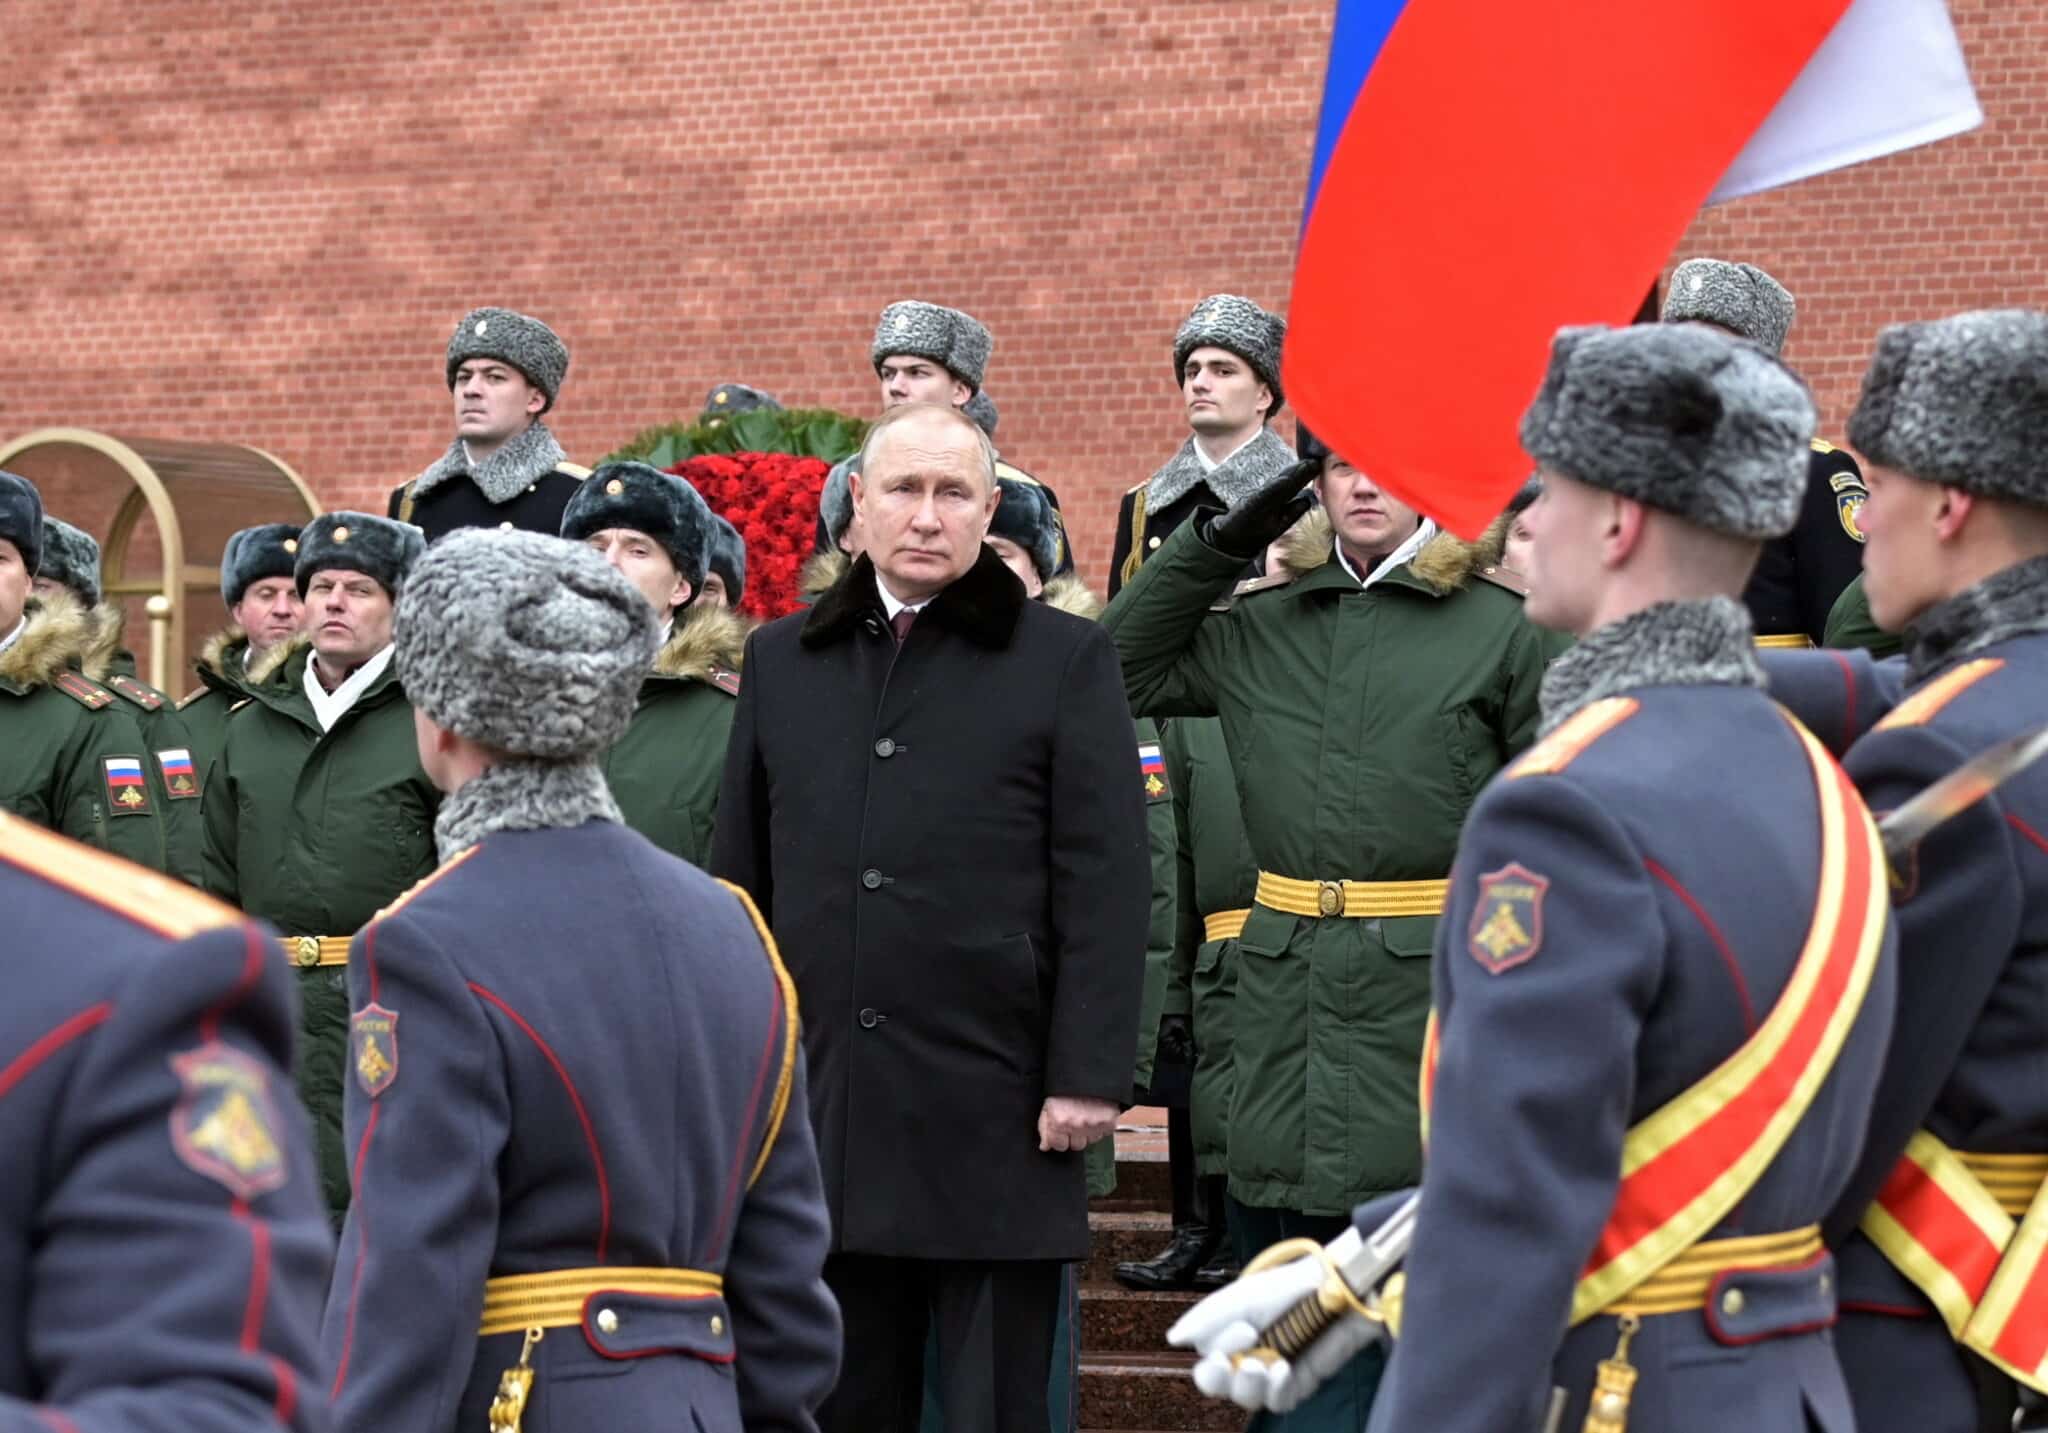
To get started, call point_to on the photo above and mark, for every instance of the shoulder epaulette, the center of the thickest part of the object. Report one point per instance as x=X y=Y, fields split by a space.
x=1254 y=584
x=154 y=902
x=192 y=696
x=1920 y=708
x=574 y=470
x=136 y=692
x=1136 y=487
x=413 y=892
x=1565 y=745
x=725 y=679
x=1822 y=445
x=1503 y=577
x=83 y=690
x=237 y=705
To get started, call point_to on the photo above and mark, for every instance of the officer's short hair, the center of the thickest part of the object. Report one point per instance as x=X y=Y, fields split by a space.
x=946 y=412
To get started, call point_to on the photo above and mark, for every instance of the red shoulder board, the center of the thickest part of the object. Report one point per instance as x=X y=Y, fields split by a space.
x=137 y=693
x=1504 y=577
x=726 y=680
x=83 y=690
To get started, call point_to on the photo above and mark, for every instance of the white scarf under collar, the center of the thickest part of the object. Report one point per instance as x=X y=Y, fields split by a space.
x=1424 y=531
x=328 y=707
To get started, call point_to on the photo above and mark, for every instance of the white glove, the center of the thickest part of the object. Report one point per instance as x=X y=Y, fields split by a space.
x=1230 y=1320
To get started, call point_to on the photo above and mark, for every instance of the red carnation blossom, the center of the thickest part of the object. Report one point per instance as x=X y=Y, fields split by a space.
x=772 y=499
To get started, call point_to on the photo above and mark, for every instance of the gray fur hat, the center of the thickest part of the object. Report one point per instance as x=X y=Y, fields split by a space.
x=1238 y=326
x=728 y=558
x=1963 y=402
x=835 y=503
x=730 y=398
x=526 y=343
x=982 y=409
x=645 y=499
x=1027 y=517
x=71 y=556
x=955 y=341
x=21 y=519
x=523 y=642
x=1694 y=422
x=1739 y=297
x=377 y=547
x=270 y=549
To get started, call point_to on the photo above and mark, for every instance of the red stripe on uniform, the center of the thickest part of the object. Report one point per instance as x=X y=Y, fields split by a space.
x=254 y=955
x=604 y=1188
x=1658 y=1190
x=1950 y=1236
x=1714 y=934
x=361 y=1222
x=1848 y=698
x=2027 y=831
x=23 y=1064
x=714 y=1247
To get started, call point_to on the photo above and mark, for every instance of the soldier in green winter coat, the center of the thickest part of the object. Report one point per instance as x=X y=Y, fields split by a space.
x=71 y=568
x=318 y=813
x=74 y=760
x=664 y=772
x=1365 y=706
x=262 y=598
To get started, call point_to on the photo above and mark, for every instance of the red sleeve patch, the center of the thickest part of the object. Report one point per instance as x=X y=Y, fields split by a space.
x=1507 y=919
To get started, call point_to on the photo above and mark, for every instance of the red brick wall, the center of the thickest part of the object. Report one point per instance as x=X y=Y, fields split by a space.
x=258 y=222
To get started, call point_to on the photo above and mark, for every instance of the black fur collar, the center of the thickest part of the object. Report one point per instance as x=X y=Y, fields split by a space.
x=983 y=605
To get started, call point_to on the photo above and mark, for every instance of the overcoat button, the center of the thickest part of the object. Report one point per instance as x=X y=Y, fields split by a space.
x=871 y=878
x=885 y=747
x=1732 y=1302
x=867 y=1019
x=607 y=1321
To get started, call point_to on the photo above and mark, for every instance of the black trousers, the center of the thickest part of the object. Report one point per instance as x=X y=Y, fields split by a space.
x=994 y=1323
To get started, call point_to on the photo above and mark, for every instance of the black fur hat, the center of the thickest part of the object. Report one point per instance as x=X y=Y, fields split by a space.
x=728 y=558
x=269 y=549
x=377 y=547
x=71 y=556
x=1027 y=517
x=730 y=398
x=21 y=519
x=645 y=499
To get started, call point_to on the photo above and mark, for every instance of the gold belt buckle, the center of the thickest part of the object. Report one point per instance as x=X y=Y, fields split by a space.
x=1330 y=897
x=308 y=954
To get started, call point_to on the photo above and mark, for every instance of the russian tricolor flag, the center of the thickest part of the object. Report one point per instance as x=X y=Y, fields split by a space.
x=1487 y=171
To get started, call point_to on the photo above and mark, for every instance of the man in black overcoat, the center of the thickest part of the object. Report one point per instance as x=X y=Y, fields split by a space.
x=927 y=792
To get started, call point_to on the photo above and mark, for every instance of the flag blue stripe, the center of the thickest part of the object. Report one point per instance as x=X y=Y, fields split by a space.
x=1356 y=37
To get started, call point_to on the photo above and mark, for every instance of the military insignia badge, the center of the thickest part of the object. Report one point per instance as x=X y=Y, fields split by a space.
x=1507 y=919
x=181 y=783
x=126 y=790
x=1152 y=771
x=225 y=1125
x=373 y=1048
x=1850 y=496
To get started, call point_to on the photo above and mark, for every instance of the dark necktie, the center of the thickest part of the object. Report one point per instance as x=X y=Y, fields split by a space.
x=900 y=623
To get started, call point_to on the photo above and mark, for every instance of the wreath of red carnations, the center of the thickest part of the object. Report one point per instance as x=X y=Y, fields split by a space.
x=772 y=498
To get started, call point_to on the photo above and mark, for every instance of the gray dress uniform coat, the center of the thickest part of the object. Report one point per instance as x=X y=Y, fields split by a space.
x=948 y=842
x=571 y=1050
x=163 y=1246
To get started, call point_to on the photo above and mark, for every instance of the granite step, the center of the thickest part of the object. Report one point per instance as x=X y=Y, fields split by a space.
x=1115 y=1236
x=1122 y=1391
x=1143 y=1179
x=1115 y=1319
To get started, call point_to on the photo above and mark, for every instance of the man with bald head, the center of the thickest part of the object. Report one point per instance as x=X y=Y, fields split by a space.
x=928 y=793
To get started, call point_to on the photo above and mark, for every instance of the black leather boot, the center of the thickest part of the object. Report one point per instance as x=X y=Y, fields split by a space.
x=1220 y=1270
x=1175 y=1266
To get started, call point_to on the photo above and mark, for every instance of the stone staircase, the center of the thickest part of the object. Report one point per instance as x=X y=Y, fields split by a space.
x=1130 y=1379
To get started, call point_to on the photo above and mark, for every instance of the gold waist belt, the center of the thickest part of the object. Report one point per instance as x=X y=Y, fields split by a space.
x=1788 y=641
x=307 y=951
x=1224 y=925
x=2012 y=1179
x=1352 y=900
x=555 y=1300
x=1685 y=1282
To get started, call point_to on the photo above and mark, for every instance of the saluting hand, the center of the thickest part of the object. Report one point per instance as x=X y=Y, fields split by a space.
x=1247 y=529
x=1070 y=1122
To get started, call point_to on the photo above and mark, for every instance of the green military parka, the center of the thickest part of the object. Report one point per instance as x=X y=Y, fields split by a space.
x=1362 y=723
